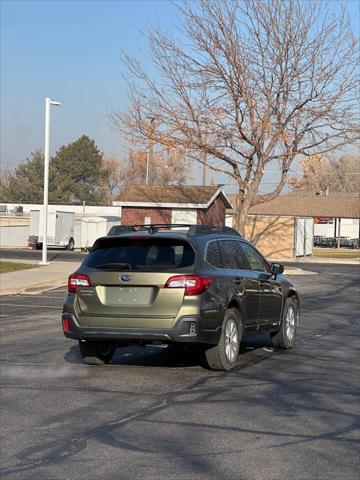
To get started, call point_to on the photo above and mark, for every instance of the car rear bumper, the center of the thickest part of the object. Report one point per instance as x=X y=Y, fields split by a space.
x=188 y=329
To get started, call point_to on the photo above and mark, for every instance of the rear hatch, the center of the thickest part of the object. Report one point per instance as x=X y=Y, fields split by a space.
x=128 y=276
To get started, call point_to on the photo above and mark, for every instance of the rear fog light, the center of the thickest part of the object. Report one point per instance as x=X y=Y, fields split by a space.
x=66 y=325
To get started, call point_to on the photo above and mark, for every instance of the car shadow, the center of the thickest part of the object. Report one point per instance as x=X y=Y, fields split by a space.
x=169 y=356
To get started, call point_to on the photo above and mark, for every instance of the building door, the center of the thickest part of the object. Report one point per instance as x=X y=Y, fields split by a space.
x=304 y=236
x=309 y=236
x=300 y=237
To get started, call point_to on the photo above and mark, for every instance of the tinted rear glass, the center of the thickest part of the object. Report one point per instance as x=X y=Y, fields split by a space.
x=213 y=254
x=232 y=255
x=140 y=254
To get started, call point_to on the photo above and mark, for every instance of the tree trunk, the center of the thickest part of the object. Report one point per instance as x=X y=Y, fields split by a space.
x=241 y=207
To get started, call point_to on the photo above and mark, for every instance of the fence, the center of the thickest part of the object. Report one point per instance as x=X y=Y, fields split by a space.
x=88 y=210
x=14 y=235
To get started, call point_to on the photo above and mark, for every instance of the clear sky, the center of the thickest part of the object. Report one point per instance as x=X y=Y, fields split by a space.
x=70 y=51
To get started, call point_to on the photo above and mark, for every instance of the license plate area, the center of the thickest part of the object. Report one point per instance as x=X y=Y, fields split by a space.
x=126 y=296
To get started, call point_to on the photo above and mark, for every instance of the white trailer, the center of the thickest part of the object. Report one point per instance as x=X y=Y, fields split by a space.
x=94 y=227
x=60 y=229
x=349 y=228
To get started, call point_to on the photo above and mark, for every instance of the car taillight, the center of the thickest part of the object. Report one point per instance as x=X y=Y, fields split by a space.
x=193 y=284
x=78 y=280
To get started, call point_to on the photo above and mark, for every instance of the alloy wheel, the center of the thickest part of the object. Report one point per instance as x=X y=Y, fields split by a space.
x=231 y=340
x=290 y=323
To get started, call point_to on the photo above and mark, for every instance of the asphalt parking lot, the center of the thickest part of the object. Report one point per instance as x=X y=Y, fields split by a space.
x=278 y=415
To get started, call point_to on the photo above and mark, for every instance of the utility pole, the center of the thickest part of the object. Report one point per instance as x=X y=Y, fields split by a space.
x=147 y=165
x=151 y=162
x=204 y=164
x=204 y=171
x=150 y=154
x=338 y=240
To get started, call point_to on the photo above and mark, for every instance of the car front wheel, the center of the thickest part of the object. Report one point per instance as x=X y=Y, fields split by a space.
x=96 y=353
x=71 y=245
x=286 y=336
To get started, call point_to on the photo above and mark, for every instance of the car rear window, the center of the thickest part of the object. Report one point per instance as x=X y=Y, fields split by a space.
x=140 y=254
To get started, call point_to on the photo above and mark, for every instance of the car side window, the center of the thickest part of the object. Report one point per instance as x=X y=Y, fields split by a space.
x=213 y=254
x=232 y=255
x=256 y=262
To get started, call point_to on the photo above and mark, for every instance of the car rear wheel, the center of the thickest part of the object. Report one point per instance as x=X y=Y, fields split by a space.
x=286 y=336
x=96 y=353
x=223 y=356
x=71 y=245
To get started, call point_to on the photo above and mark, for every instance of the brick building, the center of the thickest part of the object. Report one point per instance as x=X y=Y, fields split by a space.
x=145 y=204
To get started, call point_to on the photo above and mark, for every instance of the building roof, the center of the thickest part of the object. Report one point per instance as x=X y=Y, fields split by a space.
x=170 y=196
x=309 y=206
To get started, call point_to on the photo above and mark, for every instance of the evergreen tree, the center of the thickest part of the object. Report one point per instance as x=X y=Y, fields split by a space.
x=77 y=173
x=25 y=183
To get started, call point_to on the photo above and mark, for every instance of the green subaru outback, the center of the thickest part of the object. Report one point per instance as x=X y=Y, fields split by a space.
x=187 y=284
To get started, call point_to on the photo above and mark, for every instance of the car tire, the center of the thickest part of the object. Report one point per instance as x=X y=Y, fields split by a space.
x=286 y=336
x=96 y=353
x=223 y=356
x=71 y=245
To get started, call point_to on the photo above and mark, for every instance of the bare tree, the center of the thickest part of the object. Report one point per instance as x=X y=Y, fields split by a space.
x=165 y=167
x=112 y=178
x=314 y=175
x=247 y=84
x=6 y=179
x=319 y=174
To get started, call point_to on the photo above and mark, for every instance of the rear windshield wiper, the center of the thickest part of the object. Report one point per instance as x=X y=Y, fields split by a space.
x=115 y=266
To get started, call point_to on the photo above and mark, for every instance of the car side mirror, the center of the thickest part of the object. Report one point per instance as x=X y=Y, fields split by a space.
x=277 y=269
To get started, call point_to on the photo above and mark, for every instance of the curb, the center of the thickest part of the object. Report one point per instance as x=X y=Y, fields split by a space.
x=318 y=261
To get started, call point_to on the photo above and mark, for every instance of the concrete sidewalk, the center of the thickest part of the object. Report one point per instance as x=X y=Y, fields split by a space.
x=319 y=260
x=36 y=280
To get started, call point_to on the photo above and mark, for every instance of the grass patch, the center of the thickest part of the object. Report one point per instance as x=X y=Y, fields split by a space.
x=6 y=267
x=336 y=253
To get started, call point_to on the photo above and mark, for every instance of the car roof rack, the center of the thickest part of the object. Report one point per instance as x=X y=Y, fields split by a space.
x=193 y=230
x=196 y=230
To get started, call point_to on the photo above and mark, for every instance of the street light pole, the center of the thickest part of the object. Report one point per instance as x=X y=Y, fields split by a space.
x=48 y=103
